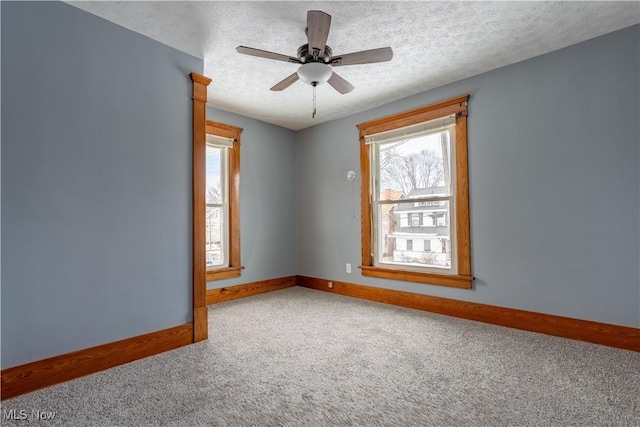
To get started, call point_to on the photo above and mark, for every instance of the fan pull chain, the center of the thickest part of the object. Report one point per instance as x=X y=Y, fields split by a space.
x=313 y=116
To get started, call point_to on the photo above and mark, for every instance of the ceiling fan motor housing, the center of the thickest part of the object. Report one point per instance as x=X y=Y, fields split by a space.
x=306 y=56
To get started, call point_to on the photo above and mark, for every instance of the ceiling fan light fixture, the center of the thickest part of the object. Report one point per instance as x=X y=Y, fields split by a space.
x=314 y=73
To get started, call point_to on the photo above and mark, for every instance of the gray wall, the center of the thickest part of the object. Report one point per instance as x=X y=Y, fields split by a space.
x=96 y=182
x=554 y=185
x=267 y=199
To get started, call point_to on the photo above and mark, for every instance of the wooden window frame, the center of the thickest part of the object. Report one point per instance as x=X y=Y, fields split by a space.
x=463 y=278
x=234 y=269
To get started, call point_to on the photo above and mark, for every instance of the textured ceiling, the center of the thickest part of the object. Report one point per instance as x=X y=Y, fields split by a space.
x=433 y=43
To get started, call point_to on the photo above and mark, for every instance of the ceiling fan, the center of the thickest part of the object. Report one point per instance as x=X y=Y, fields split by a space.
x=316 y=58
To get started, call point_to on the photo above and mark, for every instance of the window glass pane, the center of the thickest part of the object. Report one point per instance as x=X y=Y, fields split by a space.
x=415 y=167
x=214 y=234
x=214 y=178
x=403 y=241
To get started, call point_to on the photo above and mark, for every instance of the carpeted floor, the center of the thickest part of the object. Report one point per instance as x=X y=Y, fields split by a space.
x=299 y=357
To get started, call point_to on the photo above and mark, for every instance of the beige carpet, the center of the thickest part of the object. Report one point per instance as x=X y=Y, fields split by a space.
x=299 y=357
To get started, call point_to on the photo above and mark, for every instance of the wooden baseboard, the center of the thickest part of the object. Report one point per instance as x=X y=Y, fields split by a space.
x=44 y=373
x=248 y=289
x=599 y=333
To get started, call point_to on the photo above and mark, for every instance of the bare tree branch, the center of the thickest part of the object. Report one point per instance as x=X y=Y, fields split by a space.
x=214 y=195
x=411 y=171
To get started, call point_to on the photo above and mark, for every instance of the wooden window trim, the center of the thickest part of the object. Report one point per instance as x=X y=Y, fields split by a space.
x=463 y=278
x=224 y=273
x=199 y=100
x=234 y=269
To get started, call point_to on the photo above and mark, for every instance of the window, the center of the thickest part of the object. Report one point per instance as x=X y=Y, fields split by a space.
x=222 y=219
x=427 y=221
x=217 y=203
x=421 y=154
x=404 y=221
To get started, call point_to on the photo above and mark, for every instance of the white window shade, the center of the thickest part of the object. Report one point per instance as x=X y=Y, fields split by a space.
x=219 y=141
x=412 y=131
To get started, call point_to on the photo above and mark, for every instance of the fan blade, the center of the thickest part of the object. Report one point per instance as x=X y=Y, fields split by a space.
x=318 y=24
x=266 y=54
x=382 y=54
x=286 y=82
x=339 y=83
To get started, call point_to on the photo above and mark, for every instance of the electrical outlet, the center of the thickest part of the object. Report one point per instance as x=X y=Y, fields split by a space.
x=348 y=268
x=330 y=285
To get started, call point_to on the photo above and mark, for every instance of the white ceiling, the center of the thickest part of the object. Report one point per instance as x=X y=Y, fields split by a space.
x=434 y=43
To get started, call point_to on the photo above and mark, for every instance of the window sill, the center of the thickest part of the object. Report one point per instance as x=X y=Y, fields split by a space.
x=452 y=280
x=224 y=273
